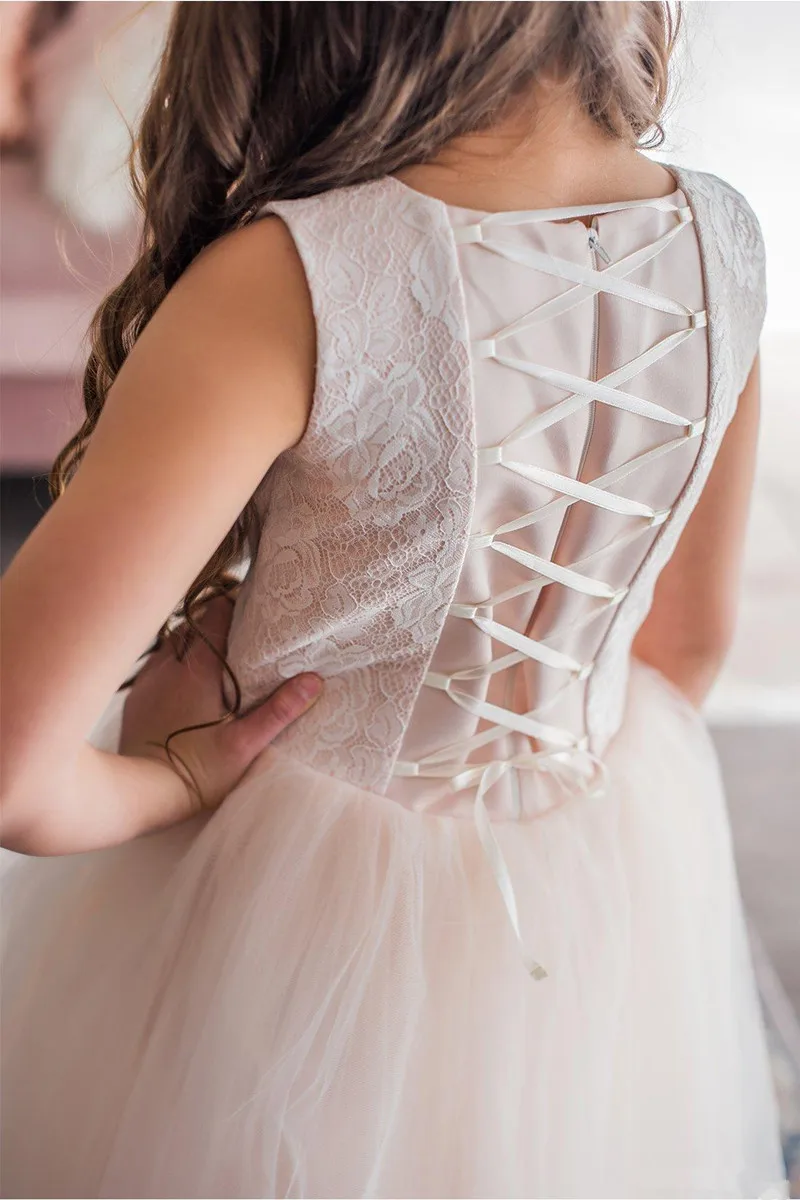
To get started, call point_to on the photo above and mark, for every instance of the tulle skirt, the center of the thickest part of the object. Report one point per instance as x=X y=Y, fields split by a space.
x=317 y=993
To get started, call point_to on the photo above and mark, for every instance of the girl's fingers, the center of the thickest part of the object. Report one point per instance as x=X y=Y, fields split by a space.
x=251 y=733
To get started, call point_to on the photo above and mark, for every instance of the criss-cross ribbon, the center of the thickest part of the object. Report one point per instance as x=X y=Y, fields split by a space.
x=564 y=757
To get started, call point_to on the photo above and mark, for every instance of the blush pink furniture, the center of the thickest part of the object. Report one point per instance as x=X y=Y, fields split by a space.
x=52 y=276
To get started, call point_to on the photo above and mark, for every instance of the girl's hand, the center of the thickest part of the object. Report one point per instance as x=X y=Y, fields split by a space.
x=217 y=386
x=171 y=693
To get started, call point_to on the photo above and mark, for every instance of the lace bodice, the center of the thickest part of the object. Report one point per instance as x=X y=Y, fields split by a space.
x=514 y=415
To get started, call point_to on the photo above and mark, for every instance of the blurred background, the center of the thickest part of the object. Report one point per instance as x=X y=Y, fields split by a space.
x=72 y=75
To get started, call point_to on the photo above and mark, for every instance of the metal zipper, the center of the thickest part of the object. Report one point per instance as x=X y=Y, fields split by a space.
x=595 y=251
x=594 y=242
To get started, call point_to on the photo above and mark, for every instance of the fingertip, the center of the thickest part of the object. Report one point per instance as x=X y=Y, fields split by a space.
x=307 y=687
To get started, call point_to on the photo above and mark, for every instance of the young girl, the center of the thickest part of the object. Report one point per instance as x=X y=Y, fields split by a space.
x=473 y=382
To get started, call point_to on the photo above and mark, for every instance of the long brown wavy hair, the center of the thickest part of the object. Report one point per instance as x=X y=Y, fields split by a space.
x=256 y=102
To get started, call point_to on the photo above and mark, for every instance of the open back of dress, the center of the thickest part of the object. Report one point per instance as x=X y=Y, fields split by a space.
x=590 y=365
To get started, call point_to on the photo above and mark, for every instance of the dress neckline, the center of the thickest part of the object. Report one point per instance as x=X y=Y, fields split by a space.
x=555 y=215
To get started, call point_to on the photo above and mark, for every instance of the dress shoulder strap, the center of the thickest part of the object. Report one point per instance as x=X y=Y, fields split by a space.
x=734 y=266
x=733 y=262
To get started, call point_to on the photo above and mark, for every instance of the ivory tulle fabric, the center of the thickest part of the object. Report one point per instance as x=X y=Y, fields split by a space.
x=326 y=989
x=318 y=994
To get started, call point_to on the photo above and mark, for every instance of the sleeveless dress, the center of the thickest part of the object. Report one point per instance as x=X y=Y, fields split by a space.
x=471 y=927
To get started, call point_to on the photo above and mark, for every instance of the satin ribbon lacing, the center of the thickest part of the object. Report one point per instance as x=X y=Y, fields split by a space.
x=565 y=757
x=576 y=770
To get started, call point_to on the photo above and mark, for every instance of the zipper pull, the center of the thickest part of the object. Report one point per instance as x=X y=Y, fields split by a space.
x=594 y=242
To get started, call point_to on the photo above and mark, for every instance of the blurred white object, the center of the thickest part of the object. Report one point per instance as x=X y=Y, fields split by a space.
x=90 y=83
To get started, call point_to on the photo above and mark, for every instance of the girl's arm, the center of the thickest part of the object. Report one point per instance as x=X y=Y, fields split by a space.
x=219 y=383
x=688 y=631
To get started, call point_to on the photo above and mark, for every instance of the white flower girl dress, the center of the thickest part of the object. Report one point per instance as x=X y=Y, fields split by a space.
x=471 y=928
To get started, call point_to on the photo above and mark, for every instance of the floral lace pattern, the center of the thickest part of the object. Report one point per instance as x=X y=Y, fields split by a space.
x=732 y=252
x=366 y=521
